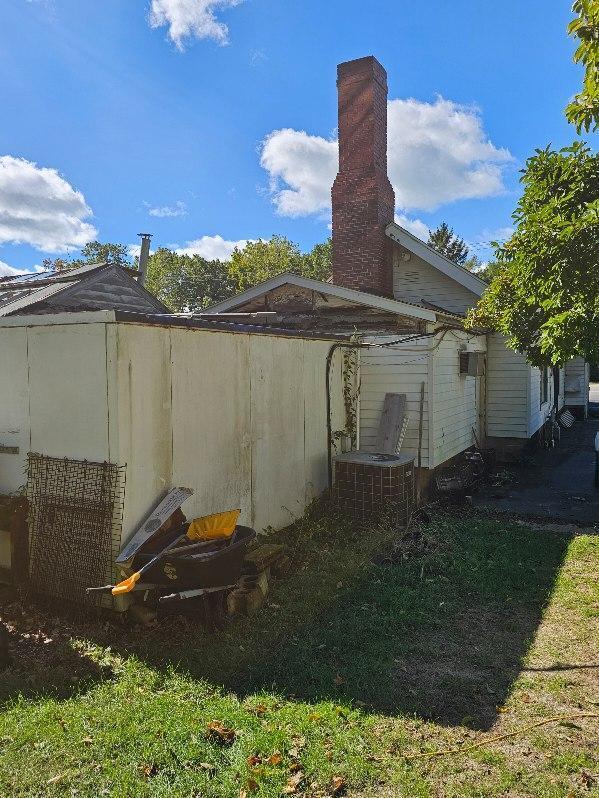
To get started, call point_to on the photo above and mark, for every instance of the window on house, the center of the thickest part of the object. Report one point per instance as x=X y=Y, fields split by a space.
x=544 y=386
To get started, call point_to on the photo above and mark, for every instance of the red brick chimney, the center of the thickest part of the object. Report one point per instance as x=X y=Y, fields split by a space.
x=363 y=199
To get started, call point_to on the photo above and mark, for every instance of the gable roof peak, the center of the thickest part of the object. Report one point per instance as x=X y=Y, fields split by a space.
x=413 y=244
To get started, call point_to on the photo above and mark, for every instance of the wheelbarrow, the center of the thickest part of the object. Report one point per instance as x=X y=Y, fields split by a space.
x=212 y=564
x=192 y=571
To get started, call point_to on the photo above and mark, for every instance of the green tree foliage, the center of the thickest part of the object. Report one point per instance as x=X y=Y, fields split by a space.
x=545 y=295
x=583 y=110
x=473 y=264
x=93 y=252
x=260 y=260
x=188 y=282
x=445 y=241
x=317 y=263
x=488 y=271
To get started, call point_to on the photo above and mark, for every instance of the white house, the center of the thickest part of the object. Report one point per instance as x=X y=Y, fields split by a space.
x=389 y=287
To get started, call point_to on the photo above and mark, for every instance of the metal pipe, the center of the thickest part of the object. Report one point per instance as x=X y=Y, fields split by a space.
x=144 y=255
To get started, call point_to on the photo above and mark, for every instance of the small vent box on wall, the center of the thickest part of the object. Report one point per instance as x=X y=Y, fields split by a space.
x=472 y=364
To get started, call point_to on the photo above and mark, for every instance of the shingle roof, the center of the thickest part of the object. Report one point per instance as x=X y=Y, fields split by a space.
x=21 y=294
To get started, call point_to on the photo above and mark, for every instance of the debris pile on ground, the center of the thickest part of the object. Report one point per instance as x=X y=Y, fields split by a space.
x=415 y=542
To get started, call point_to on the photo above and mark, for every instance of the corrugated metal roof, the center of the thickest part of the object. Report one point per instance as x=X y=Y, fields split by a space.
x=198 y=323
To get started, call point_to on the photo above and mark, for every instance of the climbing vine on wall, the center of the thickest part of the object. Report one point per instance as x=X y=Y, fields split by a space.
x=351 y=393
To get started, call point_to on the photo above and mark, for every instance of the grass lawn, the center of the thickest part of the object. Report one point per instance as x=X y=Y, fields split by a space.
x=350 y=671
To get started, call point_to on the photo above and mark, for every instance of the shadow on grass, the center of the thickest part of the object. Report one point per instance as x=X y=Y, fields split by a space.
x=44 y=661
x=442 y=635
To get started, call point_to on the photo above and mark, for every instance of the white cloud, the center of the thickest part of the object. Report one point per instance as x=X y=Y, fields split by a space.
x=306 y=164
x=169 y=211
x=10 y=271
x=39 y=207
x=257 y=57
x=212 y=247
x=438 y=153
x=191 y=19
x=415 y=226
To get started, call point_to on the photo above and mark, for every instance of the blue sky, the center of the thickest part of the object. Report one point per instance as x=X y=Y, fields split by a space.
x=213 y=121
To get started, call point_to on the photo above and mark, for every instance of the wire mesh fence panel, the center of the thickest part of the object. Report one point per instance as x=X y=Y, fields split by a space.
x=75 y=518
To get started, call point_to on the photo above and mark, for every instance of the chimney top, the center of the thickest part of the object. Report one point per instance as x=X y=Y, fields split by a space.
x=366 y=67
x=362 y=196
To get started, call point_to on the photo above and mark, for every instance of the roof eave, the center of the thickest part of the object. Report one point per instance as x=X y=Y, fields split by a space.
x=359 y=297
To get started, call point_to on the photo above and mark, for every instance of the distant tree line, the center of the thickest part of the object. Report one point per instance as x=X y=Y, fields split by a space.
x=192 y=282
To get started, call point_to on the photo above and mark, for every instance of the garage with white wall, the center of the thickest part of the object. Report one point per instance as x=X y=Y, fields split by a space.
x=236 y=413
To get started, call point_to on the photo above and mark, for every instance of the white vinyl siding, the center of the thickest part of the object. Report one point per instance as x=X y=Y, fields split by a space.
x=451 y=401
x=397 y=370
x=457 y=398
x=578 y=371
x=514 y=407
x=508 y=376
x=415 y=281
x=561 y=401
x=538 y=412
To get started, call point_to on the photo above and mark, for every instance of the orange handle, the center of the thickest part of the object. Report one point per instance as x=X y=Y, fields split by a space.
x=127 y=585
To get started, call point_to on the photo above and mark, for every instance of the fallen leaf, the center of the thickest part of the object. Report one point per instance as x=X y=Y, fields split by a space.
x=87 y=740
x=206 y=766
x=314 y=717
x=525 y=698
x=586 y=779
x=149 y=770
x=251 y=785
x=293 y=782
x=217 y=733
x=260 y=709
x=274 y=759
x=337 y=786
x=253 y=761
x=56 y=779
x=298 y=742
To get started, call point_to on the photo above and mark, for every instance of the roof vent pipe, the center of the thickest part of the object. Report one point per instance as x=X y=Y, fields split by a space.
x=144 y=254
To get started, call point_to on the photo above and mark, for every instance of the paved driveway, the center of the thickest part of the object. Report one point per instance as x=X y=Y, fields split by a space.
x=553 y=485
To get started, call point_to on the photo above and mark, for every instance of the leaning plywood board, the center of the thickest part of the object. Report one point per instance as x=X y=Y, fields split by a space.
x=391 y=423
x=171 y=502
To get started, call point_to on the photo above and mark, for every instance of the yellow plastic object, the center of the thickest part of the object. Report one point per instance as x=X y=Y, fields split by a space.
x=127 y=585
x=212 y=527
